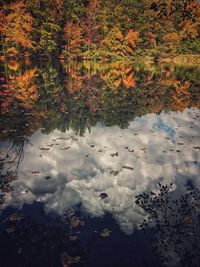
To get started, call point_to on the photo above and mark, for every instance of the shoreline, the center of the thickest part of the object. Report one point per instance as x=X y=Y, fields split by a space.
x=177 y=59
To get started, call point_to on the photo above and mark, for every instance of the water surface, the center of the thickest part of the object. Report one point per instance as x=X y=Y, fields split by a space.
x=86 y=152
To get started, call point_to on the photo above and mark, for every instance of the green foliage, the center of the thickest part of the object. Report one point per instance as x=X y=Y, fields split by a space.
x=189 y=47
x=47 y=44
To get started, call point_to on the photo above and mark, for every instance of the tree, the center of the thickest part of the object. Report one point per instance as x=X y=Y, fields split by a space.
x=47 y=44
x=17 y=26
x=73 y=37
x=190 y=20
x=90 y=24
x=114 y=41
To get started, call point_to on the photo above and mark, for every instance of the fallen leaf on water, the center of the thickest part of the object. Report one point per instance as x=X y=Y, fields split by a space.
x=74 y=259
x=114 y=172
x=10 y=230
x=68 y=260
x=65 y=148
x=105 y=233
x=103 y=195
x=128 y=168
x=115 y=154
x=14 y=217
x=73 y=238
x=75 y=222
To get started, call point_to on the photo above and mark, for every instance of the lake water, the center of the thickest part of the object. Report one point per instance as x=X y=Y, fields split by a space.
x=99 y=164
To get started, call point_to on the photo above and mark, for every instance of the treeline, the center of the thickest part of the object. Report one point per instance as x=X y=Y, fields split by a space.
x=100 y=28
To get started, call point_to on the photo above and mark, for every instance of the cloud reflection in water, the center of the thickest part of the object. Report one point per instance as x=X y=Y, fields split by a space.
x=159 y=148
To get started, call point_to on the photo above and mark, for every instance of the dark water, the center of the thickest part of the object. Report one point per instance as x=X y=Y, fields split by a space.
x=99 y=164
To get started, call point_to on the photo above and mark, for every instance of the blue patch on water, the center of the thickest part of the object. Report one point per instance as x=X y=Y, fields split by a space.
x=161 y=126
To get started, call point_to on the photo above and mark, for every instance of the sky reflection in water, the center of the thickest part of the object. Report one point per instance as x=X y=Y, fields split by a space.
x=155 y=148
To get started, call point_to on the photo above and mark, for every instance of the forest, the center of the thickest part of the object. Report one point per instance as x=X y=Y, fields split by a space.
x=95 y=29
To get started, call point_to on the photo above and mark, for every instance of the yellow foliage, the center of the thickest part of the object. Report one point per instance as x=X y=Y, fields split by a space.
x=171 y=38
x=132 y=38
x=191 y=23
x=13 y=64
x=189 y=29
x=17 y=25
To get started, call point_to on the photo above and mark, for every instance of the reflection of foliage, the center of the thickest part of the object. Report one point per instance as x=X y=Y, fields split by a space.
x=6 y=94
x=26 y=89
x=177 y=225
x=120 y=75
x=78 y=95
x=181 y=95
x=5 y=186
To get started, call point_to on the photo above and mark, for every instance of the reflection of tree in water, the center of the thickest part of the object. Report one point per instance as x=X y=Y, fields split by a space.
x=90 y=96
x=78 y=95
x=10 y=159
x=120 y=75
x=176 y=221
x=15 y=127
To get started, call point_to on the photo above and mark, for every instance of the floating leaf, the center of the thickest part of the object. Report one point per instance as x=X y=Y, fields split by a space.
x=128 y=168
x=105 y=233
x=103 y=195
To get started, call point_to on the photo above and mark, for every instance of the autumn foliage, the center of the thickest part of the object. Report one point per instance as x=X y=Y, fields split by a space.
x=73 y=37
x=99 y=27
x=26 y=92
x=17 y=26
